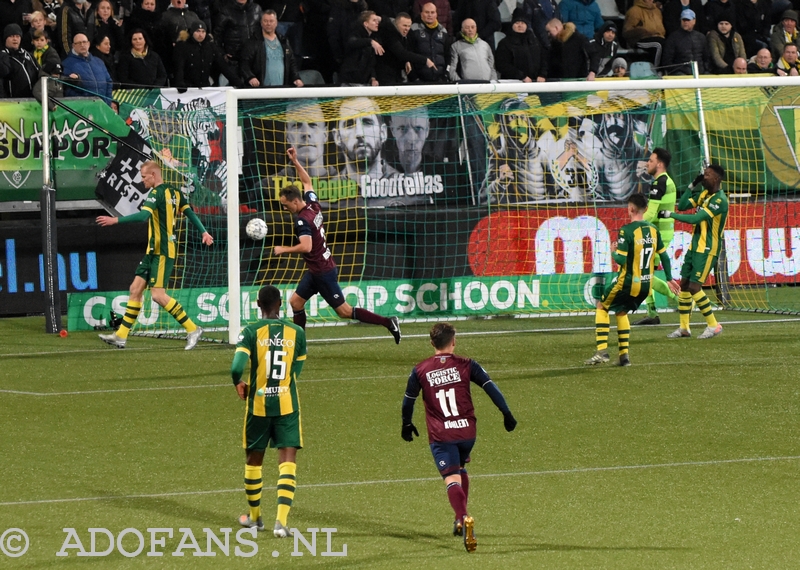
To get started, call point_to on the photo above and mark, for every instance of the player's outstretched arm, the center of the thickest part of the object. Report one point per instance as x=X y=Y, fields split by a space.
x=189 y=213
x=481 y=378
x=141 y=216
x=301 y=172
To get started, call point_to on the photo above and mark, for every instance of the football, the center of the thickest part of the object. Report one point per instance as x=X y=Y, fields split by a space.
x=256 y=229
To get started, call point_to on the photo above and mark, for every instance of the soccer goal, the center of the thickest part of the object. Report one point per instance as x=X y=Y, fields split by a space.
x=460 y=201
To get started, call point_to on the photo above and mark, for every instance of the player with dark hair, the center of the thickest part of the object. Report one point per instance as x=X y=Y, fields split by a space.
x=321 y=275
x=637 y=246
x=160 y=210
x=707 y=239
x=662 y=196
x=444 y=380
x=276 y=350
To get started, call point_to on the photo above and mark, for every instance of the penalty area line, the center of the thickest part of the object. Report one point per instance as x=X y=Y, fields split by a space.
x=575 y=470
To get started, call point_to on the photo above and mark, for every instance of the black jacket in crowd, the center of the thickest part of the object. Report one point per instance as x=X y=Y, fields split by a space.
x=70 y=21
x=359 y=58
x=572 y=56
x=343 y=14
x=196 y=62
x=148 y=22
x=486 y=15
x=19 y=72
x=391 y=65
x=434 y=45
x=606 y=51
x=682 y=47
x=145 y=71
x=235 y=24
x=519 y=56
x=253 y=61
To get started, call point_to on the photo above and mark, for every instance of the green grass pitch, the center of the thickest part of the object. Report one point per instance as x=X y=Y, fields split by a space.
x=687 y=459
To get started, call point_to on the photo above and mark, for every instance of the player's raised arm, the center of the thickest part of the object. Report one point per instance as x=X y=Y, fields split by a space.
x=301 y=172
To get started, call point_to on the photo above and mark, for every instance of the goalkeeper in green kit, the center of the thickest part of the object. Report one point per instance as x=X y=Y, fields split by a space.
x=662 y=196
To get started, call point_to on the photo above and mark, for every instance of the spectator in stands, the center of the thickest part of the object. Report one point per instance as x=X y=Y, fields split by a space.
x=585 y=14
x=761 y=62
x=50 y=9
x=684 y=46
x=753 y=23
x=11 y=12
x=430 y=39
x=175 y=25
x=75 y=16
x=644 y=28
x=739 y=66
x=471 y=58
x=788 y=64
x=486 y=16
x=88 y=72
x=44 y=54
x=105 y=24
x=538 y=13
x=571 y=54
x=140 y=65
x=724 y=45
x=362 y=51
x=18 y=68
x=147 y=19
x=606 y=46
x=343 y=15
x=443 y=12
x=267 y=58
x=619 y=67
x=785 y=32
x=395 y=64
x=519 y=55
x=101 y=49
x=290 y=21
x=37 y=22
x=671 y=15
x=199 y=61
x=715 y=10
x=237 y=22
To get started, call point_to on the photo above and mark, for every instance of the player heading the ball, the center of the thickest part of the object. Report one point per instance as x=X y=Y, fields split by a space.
x=321 y=276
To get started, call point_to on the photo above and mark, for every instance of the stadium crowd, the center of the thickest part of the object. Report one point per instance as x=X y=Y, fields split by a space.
x=95 y=45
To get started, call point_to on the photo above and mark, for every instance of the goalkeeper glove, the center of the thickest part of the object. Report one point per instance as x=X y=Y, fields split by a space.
x=407 y=431
x=509 y=422
x=697 y=181
x=664 y=214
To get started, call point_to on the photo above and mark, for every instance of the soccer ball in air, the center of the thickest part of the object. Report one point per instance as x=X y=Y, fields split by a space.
x=256 y=229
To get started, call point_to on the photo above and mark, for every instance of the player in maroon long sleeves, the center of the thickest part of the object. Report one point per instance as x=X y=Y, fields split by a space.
x=321 y=275
x=444 y=380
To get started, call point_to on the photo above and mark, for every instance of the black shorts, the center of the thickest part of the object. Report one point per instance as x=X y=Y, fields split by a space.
x=326 y=284
x=451 y=456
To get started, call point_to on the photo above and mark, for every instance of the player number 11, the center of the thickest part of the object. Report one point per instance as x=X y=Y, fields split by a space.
x=445 y=396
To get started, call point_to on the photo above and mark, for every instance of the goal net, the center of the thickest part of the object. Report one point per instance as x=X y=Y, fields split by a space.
x=487 y=200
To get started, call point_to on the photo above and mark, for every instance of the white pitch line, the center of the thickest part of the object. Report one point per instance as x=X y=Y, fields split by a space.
x=384 y=337
x=576 y=470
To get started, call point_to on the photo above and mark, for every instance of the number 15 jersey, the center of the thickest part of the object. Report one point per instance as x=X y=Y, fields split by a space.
x=444 y=380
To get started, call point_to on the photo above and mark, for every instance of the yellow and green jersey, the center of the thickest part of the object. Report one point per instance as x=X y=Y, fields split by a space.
x=712 y=211
x=639 y=246
x=277 y=350
x=164 y=204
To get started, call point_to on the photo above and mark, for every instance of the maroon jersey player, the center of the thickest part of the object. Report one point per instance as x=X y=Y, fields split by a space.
x=322 y=275
x=444 y=380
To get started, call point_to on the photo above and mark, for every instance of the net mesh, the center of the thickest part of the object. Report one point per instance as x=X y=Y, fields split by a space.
x=455 y=206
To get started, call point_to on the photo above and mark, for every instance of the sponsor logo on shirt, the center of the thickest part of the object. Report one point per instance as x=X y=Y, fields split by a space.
x=443 y=377
x=276 y=341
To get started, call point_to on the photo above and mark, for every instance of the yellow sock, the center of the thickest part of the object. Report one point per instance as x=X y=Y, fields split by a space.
x=705 y=307
x=252 y=487
x=685 y=309
x=623 y=333
x=601 y=321
x=176 y=310
x=286 y=487
x=130 y=316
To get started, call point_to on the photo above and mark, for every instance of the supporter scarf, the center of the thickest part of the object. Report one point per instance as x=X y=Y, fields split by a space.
x=469 y=40
x=39 y=54
x=790 y=37
x=786 y=66
x=139 y=55
x=434 y=25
